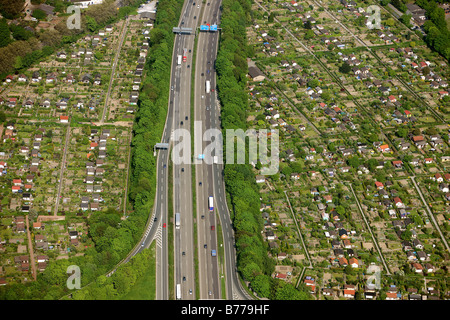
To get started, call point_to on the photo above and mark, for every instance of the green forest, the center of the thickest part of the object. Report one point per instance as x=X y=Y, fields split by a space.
x=253 y=262
x=20 y=47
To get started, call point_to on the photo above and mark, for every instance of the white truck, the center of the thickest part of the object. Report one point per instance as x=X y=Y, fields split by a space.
x=179 y=59
x=208 y=86
x=216 y=159
x=177 y=220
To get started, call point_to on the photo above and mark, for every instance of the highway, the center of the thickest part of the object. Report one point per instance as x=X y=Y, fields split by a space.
x=184 y=254
x=207 y=113
x=205 y=116
x=178 y=117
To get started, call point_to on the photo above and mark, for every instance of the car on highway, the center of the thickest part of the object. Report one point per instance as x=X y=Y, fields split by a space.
x=186 y=117
x=213 y=228
x=155 y=219
x=184 y=278
x=181 y=122
x=209 y=292
x=205 y=246
x=190 y=291
x=207 y=107
x=203 y=216
x=164 y=225
x=182 y=169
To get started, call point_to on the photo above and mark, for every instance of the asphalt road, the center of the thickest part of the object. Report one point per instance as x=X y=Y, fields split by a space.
x=182 y=172
x=207 y=111
x=209 y=279
x=210 y=175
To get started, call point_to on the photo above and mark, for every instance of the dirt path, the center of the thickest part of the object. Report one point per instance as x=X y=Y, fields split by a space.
x=30 y=249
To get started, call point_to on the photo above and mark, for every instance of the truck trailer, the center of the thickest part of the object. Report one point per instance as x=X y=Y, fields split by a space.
x=177 y=220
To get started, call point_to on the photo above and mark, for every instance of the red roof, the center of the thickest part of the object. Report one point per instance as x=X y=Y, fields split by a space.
x=391 y=295
x=351 y=292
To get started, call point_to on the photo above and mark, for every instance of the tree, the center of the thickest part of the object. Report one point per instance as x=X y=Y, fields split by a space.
x=2 y=117
x=91 y=24
x=313 y=83
x=309 y=34
x=11 y=9
x=406 y=19
x=345 y=68
x=308 y=25
x=5 y=34
x=262 y=285
x=39 y=14
x=354 y=162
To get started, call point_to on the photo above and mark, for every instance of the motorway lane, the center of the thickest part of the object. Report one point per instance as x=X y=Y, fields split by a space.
x=213 y=181
x=209 y=280
x=214 y=173
x=184 y=241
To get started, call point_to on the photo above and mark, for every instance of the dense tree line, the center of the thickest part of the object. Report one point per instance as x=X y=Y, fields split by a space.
x=253 y=262
x=20 y=48
x=11 y=9
x=435 y=27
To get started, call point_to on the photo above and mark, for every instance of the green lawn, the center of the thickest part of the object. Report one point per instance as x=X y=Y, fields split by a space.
x=145 y=289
